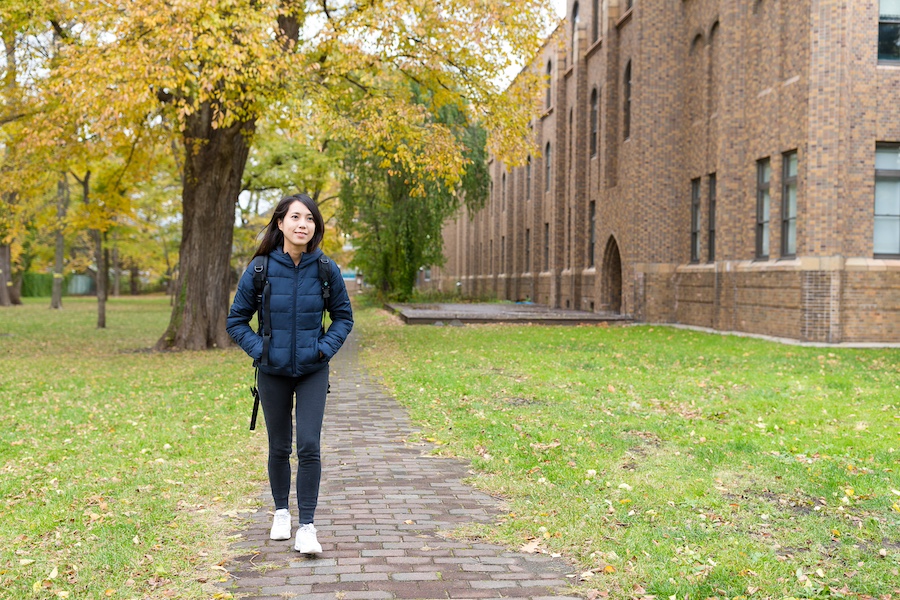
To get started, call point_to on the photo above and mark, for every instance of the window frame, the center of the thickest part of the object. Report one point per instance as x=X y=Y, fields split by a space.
x=595 y=121
x=491 y=256
x=763 y=208
x=788 y=219
x=711 y=219
x=575 y=18
x=891 y=175
x=592 y=234
x=548 y=167
x=892 y=21
x=626 y=101
x=528 y=250
x=695 y=220
x=528 y=178
x=549 y=98
x=546 y=247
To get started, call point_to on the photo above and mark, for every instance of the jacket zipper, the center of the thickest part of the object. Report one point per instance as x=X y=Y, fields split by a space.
x=294 y=324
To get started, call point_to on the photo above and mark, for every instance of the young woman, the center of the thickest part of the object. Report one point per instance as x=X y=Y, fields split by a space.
x=297 y=358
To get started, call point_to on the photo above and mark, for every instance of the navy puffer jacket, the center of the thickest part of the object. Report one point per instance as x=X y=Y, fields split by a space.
x=296 y=306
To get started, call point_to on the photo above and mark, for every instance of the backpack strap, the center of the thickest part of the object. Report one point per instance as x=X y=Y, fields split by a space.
x=324 y=273
x=260 y=266
x=325 y=270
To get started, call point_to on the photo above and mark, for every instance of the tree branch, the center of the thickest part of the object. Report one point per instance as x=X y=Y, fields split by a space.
x=4 y=119
x=60 y=31
x=131 y=152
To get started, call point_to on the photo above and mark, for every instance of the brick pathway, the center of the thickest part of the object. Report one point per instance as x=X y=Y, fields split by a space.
x=381 y=506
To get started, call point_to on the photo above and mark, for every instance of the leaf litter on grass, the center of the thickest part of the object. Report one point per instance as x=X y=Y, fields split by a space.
x=736 y=453
x=117 y=465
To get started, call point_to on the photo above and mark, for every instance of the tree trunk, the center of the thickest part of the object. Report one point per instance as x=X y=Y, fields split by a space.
x=62 y=207
x=15 y=290
x=116 y=270
x=101 y=280
x=135 y=280
x=5 y=274
x=96 y=237
x=9 y=98
x=213 y=170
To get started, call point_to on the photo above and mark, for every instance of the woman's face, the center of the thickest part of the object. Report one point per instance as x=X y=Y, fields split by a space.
x=297 y=226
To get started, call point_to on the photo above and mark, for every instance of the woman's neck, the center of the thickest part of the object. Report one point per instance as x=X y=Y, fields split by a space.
x=295 y=252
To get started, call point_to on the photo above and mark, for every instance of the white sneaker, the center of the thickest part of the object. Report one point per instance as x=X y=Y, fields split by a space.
x=306 y=540
x=281 y=525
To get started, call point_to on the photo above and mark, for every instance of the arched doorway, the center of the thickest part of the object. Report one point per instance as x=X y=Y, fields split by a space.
x=611 y=283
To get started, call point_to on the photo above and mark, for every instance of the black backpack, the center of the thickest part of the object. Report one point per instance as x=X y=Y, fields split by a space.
x=260 y=265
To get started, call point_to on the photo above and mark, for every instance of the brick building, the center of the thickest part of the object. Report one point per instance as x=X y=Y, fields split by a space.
x=732 y=164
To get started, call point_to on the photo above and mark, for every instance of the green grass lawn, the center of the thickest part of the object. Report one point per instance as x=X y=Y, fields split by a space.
x=124 y=471
x=668 y=463
x=665 y=462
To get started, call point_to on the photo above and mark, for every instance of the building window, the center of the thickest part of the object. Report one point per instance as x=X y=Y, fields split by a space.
x=503 y=194
x=546 y=246
x=503 y=254
x=592 y=235
x=789 y=205
x=626 y=109
x=713 y=77
x=595 y=121
x=528 y=251
x=889 y=30
x=887 y=201
x=547 y=168
x=549 y=99
x=695 y=220
x=629 y=4
x=595 y=21
x=575 y=17
x=763 y=177
x=711 y=234
x=571 y=133
x=528 y=178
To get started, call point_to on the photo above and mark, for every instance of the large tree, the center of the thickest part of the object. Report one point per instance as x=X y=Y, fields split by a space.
x=338 y=69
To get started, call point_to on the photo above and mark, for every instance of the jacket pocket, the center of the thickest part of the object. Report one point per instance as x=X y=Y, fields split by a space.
x=256 y=352
x=320 y=356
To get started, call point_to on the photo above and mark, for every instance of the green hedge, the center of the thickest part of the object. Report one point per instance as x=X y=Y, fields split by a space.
x=37 y=285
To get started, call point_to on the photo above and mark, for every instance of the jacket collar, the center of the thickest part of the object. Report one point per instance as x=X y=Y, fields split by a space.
x=305 y=259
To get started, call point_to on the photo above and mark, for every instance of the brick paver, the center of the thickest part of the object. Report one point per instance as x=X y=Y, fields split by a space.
x=381 y=507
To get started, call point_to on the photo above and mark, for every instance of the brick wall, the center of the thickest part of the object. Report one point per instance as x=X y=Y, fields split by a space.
x=716 y=85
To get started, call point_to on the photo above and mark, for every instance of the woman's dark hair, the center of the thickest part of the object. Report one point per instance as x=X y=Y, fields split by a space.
x=273 y=238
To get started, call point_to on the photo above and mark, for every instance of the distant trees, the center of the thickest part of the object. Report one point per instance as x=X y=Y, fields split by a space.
x=396 y=215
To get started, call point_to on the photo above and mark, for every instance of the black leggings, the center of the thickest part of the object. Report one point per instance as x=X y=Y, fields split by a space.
x=276 y=394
